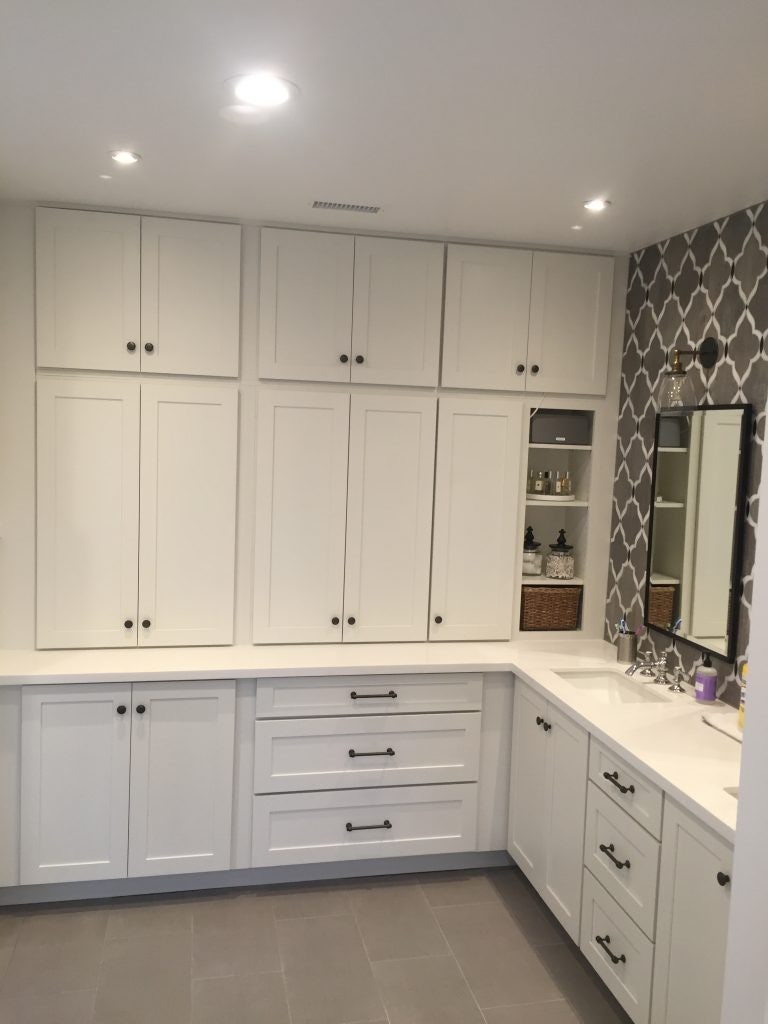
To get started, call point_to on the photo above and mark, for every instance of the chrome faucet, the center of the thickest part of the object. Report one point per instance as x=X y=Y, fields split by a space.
x=654 y=669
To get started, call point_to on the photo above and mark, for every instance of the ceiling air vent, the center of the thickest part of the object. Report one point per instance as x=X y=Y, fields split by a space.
x=320 y=204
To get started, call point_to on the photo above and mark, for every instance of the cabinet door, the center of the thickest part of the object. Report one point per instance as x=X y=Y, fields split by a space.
x=87 y=290
x=182 y=759
x=305 y=313
x=75 y=750
x=190 y=297
x=487 y=302
x=398 y=301
x=528 y=793
x=571 y=298
x=692 y=922
x=566 y=786
x=475 y=532
x=87 y=512
x=188 y=511
x=389 y=518
x=301 y=511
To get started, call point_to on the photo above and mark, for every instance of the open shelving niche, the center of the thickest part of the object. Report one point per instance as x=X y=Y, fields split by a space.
x=547 y=518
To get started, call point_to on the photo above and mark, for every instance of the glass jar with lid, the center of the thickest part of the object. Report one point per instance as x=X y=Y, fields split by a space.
x=560 y=560
x=532 y=557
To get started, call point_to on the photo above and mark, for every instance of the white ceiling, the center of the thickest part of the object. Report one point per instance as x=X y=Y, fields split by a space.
x=489 y=119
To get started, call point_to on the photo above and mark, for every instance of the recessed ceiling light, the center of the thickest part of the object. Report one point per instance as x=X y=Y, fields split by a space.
x=125 y=157
x=262 y=89
x=576 y=227
x=596 y=205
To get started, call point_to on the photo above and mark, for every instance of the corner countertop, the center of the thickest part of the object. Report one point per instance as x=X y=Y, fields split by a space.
x=666 y=741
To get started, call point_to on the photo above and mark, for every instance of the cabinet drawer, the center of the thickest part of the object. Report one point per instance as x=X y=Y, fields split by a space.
x=630 y=978
x=640 y=798
x=389 y=750
x=306 y=828
x=623 y=856
x=366 y=695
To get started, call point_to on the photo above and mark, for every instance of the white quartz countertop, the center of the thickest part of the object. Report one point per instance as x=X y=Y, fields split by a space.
x=666 y=741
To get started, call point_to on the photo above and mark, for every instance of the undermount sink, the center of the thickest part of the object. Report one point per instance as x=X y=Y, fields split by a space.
x=611 y=688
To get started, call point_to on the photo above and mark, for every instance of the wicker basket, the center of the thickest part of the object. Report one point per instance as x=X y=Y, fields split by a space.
x=661 y=605
x=550 y=608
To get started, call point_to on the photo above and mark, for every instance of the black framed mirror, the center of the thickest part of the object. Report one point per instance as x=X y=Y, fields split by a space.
x=696 y=525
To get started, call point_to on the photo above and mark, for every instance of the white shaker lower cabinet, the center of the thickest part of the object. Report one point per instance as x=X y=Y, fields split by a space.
x=548 y=793
x=182 y=750
x=76 y=747
x=692 y=926
x=475 y=534
x=87 y=512
x=301 y=513
x=188 y=514
x=389 y=517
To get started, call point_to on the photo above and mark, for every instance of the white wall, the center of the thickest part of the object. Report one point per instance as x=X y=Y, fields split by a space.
x=746 y=977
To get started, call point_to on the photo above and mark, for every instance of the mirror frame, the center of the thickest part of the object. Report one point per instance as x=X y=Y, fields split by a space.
x=737 y=550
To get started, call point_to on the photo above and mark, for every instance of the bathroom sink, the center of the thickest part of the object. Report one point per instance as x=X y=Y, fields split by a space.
x=612 y=688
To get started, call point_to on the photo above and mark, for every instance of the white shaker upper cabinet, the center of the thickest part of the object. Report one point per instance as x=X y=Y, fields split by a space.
x=87 y=290
x=571 y=297
x=487 y=302
x=475 y=532
x=305 y=314
x=190 y=297
x=182 y=754
x=301 y=506
x=692 y=925
x=389 y=517
x=188 y=511
x=398 y=299
x=87 y=512
x=76 y=745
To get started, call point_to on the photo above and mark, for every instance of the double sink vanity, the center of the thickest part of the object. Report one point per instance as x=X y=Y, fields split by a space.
x=158 y=770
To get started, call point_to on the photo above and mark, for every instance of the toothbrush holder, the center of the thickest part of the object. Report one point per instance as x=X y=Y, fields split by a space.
x=626 y=644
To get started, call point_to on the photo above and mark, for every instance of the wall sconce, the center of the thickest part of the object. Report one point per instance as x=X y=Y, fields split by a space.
x=676 y=388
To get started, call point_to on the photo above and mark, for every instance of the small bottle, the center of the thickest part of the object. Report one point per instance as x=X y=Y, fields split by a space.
x=743 y=697
x=547 y=482
x=557 y=486
x=538 y=486
x=705 y=682
x=566 y=484
x=531 y=481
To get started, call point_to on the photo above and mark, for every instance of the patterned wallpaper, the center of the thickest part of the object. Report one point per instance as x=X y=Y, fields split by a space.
x=710 y=281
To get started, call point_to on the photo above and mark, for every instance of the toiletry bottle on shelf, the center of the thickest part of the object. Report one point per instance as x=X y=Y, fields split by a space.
x=557 y=486
x=705 y=682
x=547 y=482
x=566 y=484
x=531 y=481
x=743 y=697
x=538 y=485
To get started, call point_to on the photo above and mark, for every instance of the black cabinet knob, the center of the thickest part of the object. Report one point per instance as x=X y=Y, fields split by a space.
x=520 y=367
x=140 y=709
x=351 y=620
x=343 y=358
x=535 y=368
x=546 y=726
x=121 y=709
x=149 y=347
x=146 y=623
x=128 y=623
x=359 y=359
x=131 y=346
x=722 y=878
x=539 y=720
x=438 y=619
x=335 y=620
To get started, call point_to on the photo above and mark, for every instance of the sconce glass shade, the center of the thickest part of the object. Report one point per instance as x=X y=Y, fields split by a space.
x=676 y=387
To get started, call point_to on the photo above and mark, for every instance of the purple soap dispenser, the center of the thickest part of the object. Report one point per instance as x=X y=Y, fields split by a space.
x=705 y=682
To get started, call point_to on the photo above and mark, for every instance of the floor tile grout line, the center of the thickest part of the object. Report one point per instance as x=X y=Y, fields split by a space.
x=458 y=965
x=376 y=986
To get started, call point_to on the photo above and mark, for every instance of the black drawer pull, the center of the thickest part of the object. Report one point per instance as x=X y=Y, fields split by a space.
x=546 y=726
x=609 y=851
x=722 y=878
x=366 y=828
x=605 y=942
x=613 y=778
x=372 y=696
x=539 y=720
x=389 y=752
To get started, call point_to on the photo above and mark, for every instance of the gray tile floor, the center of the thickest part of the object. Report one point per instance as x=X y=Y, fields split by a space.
x=452 y=948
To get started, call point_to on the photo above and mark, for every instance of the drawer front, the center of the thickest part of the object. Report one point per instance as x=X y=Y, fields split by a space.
x=640 y=798
x=367 y=695
x=307 y=828
x=374 y=750
x=623 y=857
x=620 y=940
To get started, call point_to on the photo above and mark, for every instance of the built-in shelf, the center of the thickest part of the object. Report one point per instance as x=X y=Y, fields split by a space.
x=669 y=504
x=659 y=579
x=538 y=503
x=669 y=451
x=563 y=447
x=543 y=581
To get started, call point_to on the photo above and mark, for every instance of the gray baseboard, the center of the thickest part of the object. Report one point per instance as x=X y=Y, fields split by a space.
x=65 y=891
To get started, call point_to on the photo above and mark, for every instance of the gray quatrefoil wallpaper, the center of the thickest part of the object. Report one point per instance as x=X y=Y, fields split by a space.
x=709 y=281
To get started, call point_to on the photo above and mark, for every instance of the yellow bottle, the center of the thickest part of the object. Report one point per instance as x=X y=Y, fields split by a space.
x=744 y=668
